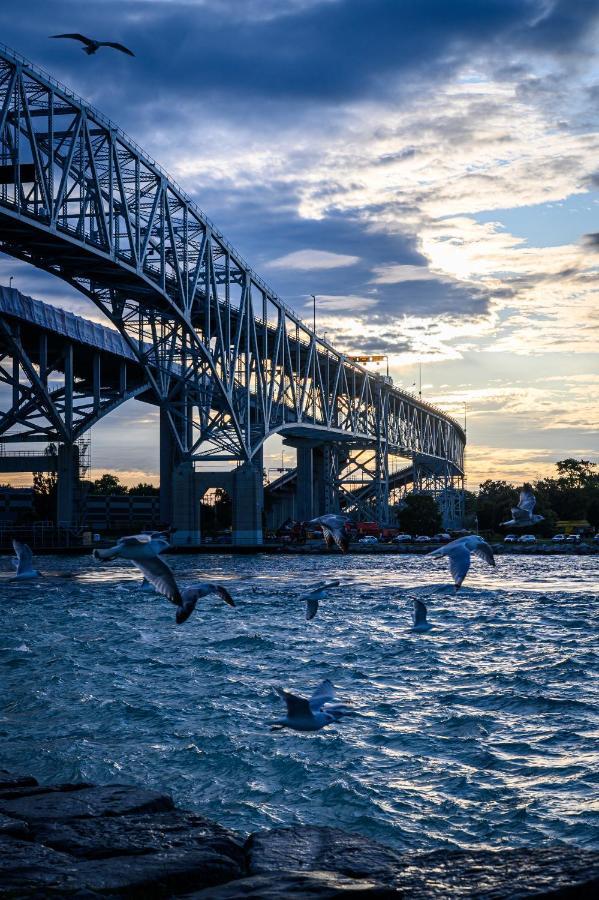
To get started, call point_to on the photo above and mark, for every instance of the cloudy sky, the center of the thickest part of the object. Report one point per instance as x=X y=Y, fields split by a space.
x=429 y=169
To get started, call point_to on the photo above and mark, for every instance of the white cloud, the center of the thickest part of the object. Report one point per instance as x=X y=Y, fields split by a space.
x=313 y=259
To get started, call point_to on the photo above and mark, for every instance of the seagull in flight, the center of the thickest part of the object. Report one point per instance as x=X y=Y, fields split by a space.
x=319 y=710
x=459 y=553
x=135 y=546
x=421 y=624
x=318 y=593
x=155 y=570
x=24 y=562
x=90 y=46
x=333 y=530
x=523 y=515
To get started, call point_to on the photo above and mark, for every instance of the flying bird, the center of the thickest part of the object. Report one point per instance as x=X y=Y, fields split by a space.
x=24 y=562
x=523 y=515
x=333 y=530
x=313 y=714
x=459 y=555
x=318 y=593
x=421 y=624
x=135 y=546
x=90 y=46
x=155 y=570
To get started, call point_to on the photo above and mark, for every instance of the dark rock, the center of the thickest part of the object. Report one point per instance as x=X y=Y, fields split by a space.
x=158 y=874
x=10 y=779
x=300 y=885
x=30 y=870
x=13 y=827
x=12 y=793
x=107 y=836
x=105 y=800
x=313 y=848
x=550 y=872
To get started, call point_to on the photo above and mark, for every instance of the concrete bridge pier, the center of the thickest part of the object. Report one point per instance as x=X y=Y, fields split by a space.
x=317 y=489
x=67 y=485
x=248 y=502
x=168 y=464
x=185 y=518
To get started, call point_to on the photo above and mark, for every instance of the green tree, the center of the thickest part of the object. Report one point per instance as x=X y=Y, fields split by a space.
x=45 y=486
x=494 y=503
x=593 y=512
x=420 y=515
x=107 y=484
x=144 y=489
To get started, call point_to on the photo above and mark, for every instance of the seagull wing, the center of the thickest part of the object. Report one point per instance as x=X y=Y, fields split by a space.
x=341 y=539
x=527 y=501
x=323 y=693
x=328 y=536
x=134 y=540
x=24 y=557
x=459 y=563
x=297 y=707
x=160 y=575
x=311 y=607
x=485 y=552
x=75 y=37
x=116 y=46
x=419 y=613
x=520 y=515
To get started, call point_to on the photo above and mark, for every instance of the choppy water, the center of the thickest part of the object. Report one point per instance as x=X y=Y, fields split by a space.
x=481 y=733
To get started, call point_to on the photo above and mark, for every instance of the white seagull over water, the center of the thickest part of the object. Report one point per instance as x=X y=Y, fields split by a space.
x=24 y=562
x=311 y=715
x=459 y=555
x=155 y=570
x=333 y=530
x=523 y=515
x=421 y=624
x=318 y=593
x=135 y=546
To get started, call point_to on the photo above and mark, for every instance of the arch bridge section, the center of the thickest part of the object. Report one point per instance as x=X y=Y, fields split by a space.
x=228 y=362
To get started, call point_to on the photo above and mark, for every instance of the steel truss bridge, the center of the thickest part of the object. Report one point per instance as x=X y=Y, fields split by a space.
x=228 y=363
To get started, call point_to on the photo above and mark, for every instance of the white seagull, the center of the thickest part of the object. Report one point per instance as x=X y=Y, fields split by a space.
x=333 y=530
x=155 y=570
x=24 y=562
x=523 y=515
x=135 y=546
x=459 y=555
x=421 y=624
x=318 y=593
x=91 y=46
x=313 y=714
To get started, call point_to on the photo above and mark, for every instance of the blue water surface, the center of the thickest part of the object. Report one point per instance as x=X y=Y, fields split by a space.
x=481 y=733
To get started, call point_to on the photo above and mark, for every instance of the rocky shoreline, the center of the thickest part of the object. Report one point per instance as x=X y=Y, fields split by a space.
x=87 y=841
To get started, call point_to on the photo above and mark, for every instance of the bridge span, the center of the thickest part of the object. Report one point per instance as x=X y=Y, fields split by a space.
x=227 y=362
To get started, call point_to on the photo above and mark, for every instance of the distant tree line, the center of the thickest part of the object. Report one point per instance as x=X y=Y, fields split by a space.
x=110 y=484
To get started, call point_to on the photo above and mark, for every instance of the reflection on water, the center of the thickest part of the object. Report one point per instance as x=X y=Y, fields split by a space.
x=481 y=733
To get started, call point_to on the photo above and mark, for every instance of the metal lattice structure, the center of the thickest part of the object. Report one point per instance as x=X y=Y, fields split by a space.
x=228 y=362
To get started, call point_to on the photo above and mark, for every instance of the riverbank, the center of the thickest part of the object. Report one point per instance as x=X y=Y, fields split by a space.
x=89 y=841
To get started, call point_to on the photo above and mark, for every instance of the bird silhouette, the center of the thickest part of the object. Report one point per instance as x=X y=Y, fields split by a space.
x=90 y=46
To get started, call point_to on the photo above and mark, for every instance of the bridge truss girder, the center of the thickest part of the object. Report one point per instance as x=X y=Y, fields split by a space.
x=226 y=359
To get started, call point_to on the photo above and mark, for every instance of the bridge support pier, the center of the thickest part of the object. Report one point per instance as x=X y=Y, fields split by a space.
x=317 y=489
x=67 y=486
x=248 y=502
x=167 y=468
x=185 y=505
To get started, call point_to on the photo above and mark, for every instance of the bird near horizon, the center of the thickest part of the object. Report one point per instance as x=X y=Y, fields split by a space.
x=523 y=515
x=91 y=46
x=135 y=546
x=459 y=553
x=318 y=593
x=312 y=714
x=333 y=530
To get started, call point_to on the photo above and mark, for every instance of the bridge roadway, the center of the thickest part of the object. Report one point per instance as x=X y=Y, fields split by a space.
x=227 y=360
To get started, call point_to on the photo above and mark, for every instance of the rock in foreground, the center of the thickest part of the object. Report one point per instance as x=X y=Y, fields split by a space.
x=86 y=842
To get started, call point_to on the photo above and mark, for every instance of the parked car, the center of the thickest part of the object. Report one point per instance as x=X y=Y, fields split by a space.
x=442 y=537
x=528 y=539
x=510 y=539
x=402 y=538
x=558 y=538
x=368 y=539
x=573 y=539
x=422 y=539
x=596 y=538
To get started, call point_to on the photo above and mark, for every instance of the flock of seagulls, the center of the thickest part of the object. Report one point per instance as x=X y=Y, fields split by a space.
x=322 y=707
